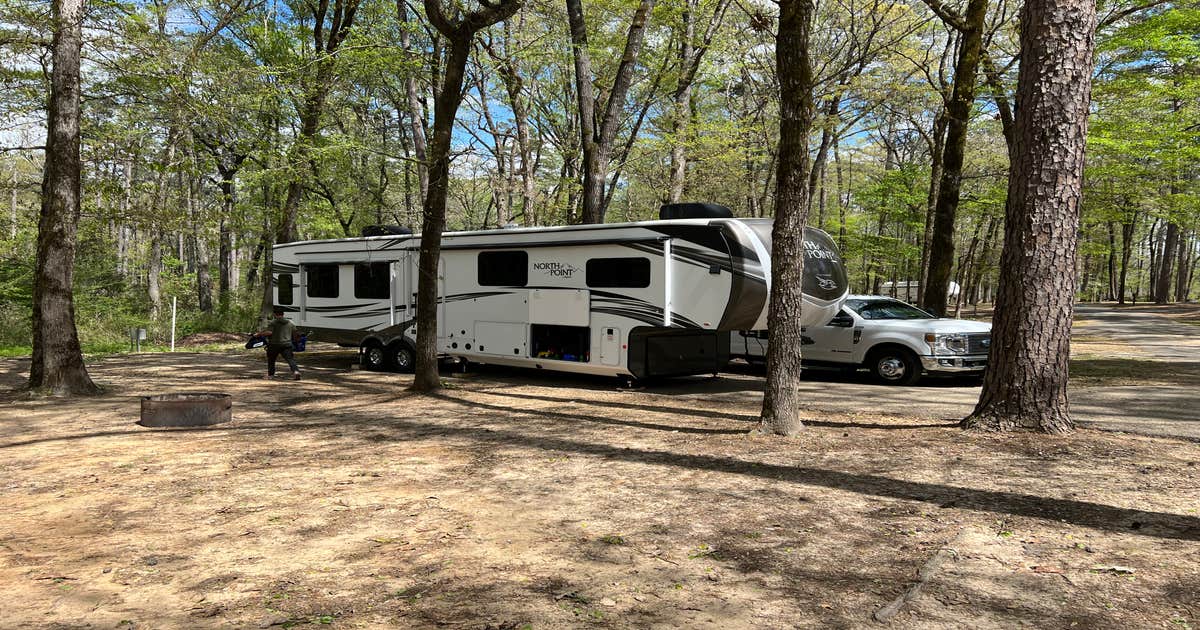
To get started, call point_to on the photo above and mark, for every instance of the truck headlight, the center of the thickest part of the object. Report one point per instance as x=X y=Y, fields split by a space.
x=946 y=344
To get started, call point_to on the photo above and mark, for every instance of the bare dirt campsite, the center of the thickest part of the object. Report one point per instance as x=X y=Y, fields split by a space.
x=521 y=499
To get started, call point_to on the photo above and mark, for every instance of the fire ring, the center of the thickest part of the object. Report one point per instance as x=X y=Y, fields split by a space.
x=186 y=409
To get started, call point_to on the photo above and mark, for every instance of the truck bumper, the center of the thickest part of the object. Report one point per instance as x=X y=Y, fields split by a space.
x=954 y=364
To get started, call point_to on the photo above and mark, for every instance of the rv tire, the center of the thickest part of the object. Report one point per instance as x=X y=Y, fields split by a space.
x=402 y=357
x=373 y=356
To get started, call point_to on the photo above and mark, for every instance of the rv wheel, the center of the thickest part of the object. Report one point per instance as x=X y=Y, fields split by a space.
x=401 y=357
x=374 y=358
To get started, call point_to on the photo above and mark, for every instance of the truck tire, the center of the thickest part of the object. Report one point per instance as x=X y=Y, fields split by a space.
x=373 y=357
x=893 y=365
x=401 y=357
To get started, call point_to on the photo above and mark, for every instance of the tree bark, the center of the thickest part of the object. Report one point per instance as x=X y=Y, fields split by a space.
x=597 y=135
x=460 y=35
x=1127 y=230
x=782 y=401
x=1112 y=261
x=936 y=147
x=1162 y=284
x=1025 y=386
x=1182 y=264
x=57 y=367
x=958 y=112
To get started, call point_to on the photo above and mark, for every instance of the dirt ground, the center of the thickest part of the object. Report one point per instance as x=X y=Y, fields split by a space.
x=517 y=499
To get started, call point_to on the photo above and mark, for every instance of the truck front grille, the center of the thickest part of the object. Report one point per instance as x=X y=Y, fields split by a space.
x=979 y=343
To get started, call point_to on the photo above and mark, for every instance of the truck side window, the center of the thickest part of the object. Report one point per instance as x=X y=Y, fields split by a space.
x=284 y=285
x=373 y=281
x=322 y=281
x=503 y=269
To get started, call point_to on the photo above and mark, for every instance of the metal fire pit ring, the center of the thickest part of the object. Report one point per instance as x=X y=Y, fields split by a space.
x=186 y=409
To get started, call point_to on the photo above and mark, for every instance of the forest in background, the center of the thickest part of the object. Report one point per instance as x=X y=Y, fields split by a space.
x=214 y=129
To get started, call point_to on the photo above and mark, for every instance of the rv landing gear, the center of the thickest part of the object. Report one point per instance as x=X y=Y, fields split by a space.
x=627 y=383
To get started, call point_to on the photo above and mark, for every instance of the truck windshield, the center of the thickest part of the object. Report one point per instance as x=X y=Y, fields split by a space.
x=886 y=309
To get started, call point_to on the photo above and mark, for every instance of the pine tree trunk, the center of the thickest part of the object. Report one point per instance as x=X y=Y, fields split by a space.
x=1025 y=386
x=782 y=400
x=57 y=367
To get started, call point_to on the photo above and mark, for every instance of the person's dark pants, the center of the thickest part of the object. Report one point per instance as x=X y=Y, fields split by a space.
x=274 y=352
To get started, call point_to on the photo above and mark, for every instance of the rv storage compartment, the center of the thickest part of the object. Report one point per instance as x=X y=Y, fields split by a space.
x=675 y=352
x=561 y=343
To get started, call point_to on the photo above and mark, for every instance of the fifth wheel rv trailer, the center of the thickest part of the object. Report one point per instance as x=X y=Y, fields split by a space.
x=631 y=300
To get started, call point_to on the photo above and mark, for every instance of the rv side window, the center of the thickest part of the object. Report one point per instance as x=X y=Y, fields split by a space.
x=284 y=285
x=322 y=280
x=373 y=281
x=629 y=273
x=503 y=269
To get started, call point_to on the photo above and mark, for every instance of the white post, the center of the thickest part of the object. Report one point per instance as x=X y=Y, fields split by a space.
x=173 y=301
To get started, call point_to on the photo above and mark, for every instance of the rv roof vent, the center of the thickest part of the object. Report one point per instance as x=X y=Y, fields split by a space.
x=694 y=211
x=385 y=230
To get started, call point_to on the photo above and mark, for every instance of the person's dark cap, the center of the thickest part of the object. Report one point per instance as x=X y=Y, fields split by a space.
x=278 y=310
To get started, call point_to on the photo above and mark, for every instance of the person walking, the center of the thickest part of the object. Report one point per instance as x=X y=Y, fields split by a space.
x=281 y=330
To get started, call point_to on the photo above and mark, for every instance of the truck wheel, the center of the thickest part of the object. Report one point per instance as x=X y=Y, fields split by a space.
x=401 y=357
x=373 y=357
x=894 y=366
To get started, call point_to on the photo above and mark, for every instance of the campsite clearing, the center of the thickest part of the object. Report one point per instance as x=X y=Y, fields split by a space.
x=522 y=499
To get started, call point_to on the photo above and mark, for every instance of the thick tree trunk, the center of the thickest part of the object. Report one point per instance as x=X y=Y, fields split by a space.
x=1025 y=386
x=958 y=112
x=782 y=401
x=460 y=36
x=57 y=366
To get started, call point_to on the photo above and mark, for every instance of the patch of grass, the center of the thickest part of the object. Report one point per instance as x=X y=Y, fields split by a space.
x=1097 y=371
x=612 y=539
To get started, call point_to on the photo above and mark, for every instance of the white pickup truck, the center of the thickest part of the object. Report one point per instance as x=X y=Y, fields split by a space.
x=896 y=341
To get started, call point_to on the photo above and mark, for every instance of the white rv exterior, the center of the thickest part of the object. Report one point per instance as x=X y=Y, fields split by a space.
x=630 y=300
